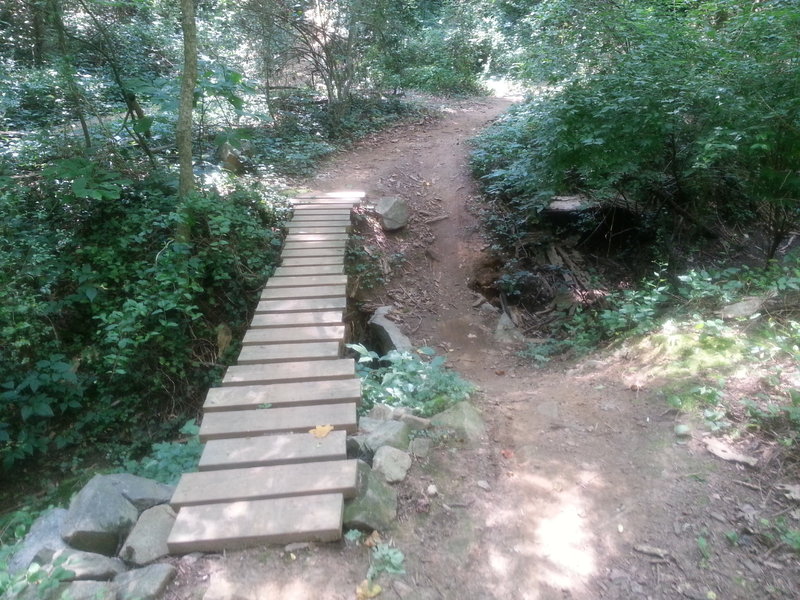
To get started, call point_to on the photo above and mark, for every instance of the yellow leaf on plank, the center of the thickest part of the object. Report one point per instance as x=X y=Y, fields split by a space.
x=366 y=589
x=321 y=431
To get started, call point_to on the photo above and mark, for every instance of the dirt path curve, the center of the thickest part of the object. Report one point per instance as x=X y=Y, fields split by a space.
x=579 y=490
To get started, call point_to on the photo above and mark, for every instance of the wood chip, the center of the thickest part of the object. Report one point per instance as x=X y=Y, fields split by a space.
x=651 y=550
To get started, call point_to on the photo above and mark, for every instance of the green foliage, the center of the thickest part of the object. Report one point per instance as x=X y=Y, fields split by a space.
x=95 y=293
x=680 y=115
x=405 y=379
x=385 y=559
x=167 y=461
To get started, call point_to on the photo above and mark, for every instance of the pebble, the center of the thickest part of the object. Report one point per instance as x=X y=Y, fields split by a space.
x=432 y=490
x=484 y=485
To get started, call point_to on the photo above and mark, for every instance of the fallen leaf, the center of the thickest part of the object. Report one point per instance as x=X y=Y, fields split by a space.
x=373 y=539
x=507 y=453
x=499 y=372
x=366 y=589
x=321 y=431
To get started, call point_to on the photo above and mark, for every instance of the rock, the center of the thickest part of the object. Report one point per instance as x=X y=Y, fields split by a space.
x=374 y=507
x=99 y=518
x=148 y=583
x=506 y=332
x=388 y=335
x=230 y=159
x=463 y=419
x=381 y=412
x=369 y=424
x=392 y=212
x=421 y=447
x=147 y=540
x=140 y=491
x=388 y=433
x=356 y=447
x=45 y=533
x=484 y=485
x=432 y=491
x=488 y=309
x=682 y=430
x=414 y=422
x=392 y=463
x=746 y=307
x=82 y=590
x=84 y=565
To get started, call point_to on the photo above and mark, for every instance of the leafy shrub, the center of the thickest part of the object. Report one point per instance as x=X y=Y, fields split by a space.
x=403 y=379
x=167 y=461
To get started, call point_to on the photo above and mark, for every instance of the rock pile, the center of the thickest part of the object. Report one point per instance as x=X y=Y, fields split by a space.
x=107 y=542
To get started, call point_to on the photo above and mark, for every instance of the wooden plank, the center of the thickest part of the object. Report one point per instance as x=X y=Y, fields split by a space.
x=318 y=221
x=354 y=195
x=292 y=246
x=261 y=483
x=313 y=251
x=316 y=237
x=306 y=281
x=272 y=353
x=287 y=305
x=300 y=271
x=317 y=230
x=264 y=421
x=294 y=335
x=284 y=449
x=217 y=527
x=303 y=293
x=327 y=216
x=299 y=319
x=311 y=261
x=318 y=370
x=278 y=395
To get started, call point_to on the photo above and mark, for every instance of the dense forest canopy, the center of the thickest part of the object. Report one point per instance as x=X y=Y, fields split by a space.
x=119 y=296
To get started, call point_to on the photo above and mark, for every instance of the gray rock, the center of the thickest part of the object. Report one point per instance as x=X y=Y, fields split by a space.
x=230 y=159
x=148 y=538
x=99 y=518
x=381 y=412
x=392 y=212
x=421 y=447
x=45 y=533
x=392 y=463
x=375 y=506
x=463 y=419
x=369 y=424
x=388 y=335
x=388 y=433
x=488 y=309
x=148 y=583
x=357 y=448
x=746 y=307
x=77 y=590
x=140 y=491
x=414 y=422
x=85 y=566
x=506 y=332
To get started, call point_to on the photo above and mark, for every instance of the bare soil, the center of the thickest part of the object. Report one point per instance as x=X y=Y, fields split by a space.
x=581 y=490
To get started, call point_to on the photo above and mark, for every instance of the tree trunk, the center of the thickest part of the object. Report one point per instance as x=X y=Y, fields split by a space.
x=183 y=133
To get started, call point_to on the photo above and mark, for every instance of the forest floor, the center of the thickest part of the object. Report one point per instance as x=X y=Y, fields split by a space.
x=581 y=489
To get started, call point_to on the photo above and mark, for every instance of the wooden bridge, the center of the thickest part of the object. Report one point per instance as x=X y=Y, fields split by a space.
x=273 y=470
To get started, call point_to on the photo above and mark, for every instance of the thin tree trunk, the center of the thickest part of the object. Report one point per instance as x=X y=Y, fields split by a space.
x=183 y=134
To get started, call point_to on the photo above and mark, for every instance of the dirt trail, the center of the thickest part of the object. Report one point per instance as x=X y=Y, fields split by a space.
x=579 y=491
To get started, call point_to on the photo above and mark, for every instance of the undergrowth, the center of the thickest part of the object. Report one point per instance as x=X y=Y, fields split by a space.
x=408 y=380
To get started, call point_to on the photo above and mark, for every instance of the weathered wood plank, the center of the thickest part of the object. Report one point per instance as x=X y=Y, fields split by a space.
x=272 y=353
x=286 y=305
x=312 y=261
x=306 y=281
x=294 y=335
x=216 y=527
x=316 y=237
x=261 y=483
x=291 y=246
x=267 y=450
x=264 y=421
x=319 y=370
x=297 y=319
x=303 y=293
x=278 y=395
x=312 y=270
